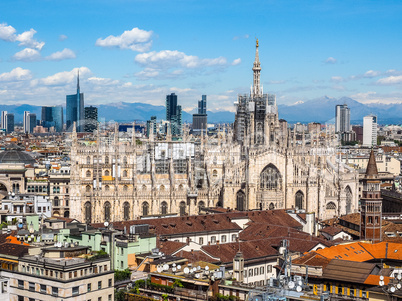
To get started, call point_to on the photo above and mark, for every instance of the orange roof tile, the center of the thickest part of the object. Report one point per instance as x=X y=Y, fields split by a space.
x=375 y=280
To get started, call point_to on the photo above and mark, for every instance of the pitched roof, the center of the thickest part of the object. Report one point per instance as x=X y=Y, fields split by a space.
x=371 y=170
x=342 y=270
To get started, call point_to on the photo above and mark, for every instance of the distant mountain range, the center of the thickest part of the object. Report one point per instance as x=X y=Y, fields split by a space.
x=319 y=110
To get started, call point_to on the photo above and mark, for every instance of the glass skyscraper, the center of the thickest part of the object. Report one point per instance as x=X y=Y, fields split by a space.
x=52 y=116
x=75 y=109
x=91 y=119
x=173 y=114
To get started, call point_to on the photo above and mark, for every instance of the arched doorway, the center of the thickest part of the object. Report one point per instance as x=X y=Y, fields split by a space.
x=3 y=191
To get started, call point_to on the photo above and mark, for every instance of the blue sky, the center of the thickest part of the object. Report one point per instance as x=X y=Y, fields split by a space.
x=139 y=51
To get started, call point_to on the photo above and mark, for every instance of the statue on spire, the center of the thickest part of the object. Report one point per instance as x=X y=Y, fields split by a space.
x=256 y=74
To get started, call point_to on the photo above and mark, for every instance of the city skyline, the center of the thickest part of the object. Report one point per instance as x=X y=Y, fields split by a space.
x=306 y=51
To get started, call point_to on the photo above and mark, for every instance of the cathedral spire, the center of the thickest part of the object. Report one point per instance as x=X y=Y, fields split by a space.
x=256 y=73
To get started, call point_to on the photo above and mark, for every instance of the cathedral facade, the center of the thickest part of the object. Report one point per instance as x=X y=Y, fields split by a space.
x=257 y=164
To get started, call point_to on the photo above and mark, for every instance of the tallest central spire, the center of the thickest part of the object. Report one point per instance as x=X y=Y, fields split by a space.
x=256 y=73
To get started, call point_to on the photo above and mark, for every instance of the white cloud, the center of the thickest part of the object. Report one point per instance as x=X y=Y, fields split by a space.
x=65 y=77
x=277 y=82
x=180 y=90
x=147 y=73
x=371 y=74
x=135 y=39
x=246 y=36
x=390 y=80
x=26 y=39
x=17 y=74
x=330 y=60
x=337 y=79
x=27 y=55
x=7 y=32
x=173 y=58
x=62 y=37
x=374 y=97
x=236 y=62
x=62 y=55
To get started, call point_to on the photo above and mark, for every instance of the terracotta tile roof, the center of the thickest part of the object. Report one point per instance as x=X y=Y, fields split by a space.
x=13 y=249
x=312 y=259
x=375 y=280
x=195 y=256
x=331 y=230
x=168 y=247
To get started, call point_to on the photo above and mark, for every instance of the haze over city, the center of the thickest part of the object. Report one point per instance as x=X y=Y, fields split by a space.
x=139 y=51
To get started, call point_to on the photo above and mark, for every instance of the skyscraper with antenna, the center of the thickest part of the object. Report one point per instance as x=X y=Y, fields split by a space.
x=75 y=108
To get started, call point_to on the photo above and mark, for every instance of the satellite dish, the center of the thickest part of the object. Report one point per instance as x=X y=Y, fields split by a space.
x=291 y=285
x=174 y=269
x=299 y=283
x=298 y=289
x=198 y=268
x=399 y=276
x=159 y=269
x=106 y=224
x=179 y=267
x=213 y=278
x=174 y=264
x=392 y=289
x=198 y=276
x=398 y=286
x=160 y=253
x=381 y=283
x=165 y=267
x=206 y=268
x=186 y=270
x=206 y=272
x=381 y=277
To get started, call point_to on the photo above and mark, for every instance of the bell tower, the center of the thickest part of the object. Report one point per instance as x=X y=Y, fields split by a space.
x=371 y=204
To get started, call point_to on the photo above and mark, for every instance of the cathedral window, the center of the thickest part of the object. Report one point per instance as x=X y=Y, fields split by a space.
x=125 y=173
x=125 y=188
x=182 y=208
x=240 y=201
x=214 y=173
x=201 y=204
x=106 y=209
x=88 y=188
x=107 y=173
x=145 y=209
x=88 y=160
x=164 y=207
x=181 y=187
x=88 y=174
x=107 y=188
x=162 y=188
x=144 y=187
x=348 y=192
x=124 y=160
x=271 y=206
x=88 y=212
x=331 y=206
x=126 y=211
x=106 y=160
x=56 y=202
x=270 y=178
x=299 y=200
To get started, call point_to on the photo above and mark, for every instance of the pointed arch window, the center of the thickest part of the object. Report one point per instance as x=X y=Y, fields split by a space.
x=88 y=174
x=145 y=209
x=164 y=207
x=348 y=193
x=107 y=173
x=124 y=173
x=88 y=212
x=299 y=200
x=106 y=160
x=124 y=160
x=107 y=209
x=182 y=208
x=240 y=201
x=88 y=160
x=126 y=211
x=270 y=178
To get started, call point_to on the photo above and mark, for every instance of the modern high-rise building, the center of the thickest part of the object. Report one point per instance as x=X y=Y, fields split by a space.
x=370 y=130
x=91 y=119
x=151 y=126
x=52 y=116
x=342 y=118
x=3 y=119
x=29 y=122
x=173 y=114
x=9 y=121
x=200 y=120
x=75 y=109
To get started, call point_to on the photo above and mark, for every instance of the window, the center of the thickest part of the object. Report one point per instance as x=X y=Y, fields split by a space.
x=164 y=207
x=88 y=174
x=55 y=291
x=201 y=240
x=107 y=209
x=32 y=286
x=89 y=287
x=261 y=270
x=100 y=299
x=20 y=298
x=269 y=268
x=125 y=173
x=126 y=211
x=76 y=290
x=106 y=160
x=88 y=160
x=99 y=285
x=213 y=239
x=145 y=209
x=20 y=284
x=110 y=298
x=182 y=207
x=110 y=282
x=234 y=236
x=256 y=271
x=250 y=272
x=223 y=238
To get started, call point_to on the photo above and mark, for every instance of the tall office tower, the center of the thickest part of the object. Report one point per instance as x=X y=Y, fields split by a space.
x=52 y=116
x=370 y=130
x=75 y=109
x=9 y=120
x=200 y=120
x=29 y=122
x=202 y=105
x=3 y=119
x=151 y=126
x=342 y=118
x=91 y=119
x=371 y=203
x=173 y=114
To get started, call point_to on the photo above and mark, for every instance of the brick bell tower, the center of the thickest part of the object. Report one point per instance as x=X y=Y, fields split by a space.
x=371 y=204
